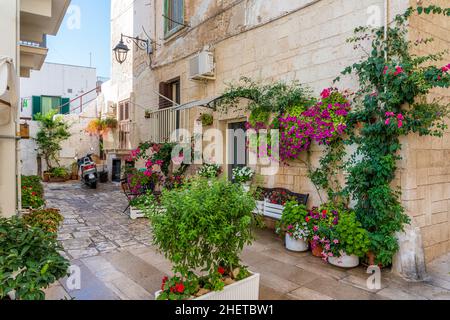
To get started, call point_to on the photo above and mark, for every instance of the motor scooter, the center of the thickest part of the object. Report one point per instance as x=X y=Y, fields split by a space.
x=89 y=174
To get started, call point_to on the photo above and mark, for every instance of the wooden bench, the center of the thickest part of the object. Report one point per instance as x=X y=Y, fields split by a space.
x=274 y=211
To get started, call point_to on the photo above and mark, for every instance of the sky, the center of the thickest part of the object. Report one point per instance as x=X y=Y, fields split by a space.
x=85 y=30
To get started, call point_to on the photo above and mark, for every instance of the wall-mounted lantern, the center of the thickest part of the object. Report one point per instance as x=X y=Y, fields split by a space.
x=121 y=49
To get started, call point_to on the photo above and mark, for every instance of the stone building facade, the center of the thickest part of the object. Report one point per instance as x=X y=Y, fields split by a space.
x=268 y=41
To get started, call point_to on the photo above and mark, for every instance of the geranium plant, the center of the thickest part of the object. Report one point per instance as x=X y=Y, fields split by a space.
x=293 y=221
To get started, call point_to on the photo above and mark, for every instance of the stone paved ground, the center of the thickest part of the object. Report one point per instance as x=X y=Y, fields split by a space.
x=117 y=260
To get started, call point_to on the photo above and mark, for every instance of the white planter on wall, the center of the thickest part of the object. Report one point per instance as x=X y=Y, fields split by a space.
x=247 y=289
x=296 y=245
x=344 y=261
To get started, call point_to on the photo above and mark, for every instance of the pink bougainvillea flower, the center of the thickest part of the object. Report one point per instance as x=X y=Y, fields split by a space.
x=335 y=241
x=316 y=228
x=400 y=117
x=400 y=124
x=387 y=122
x=325 y=93
x=390 y=114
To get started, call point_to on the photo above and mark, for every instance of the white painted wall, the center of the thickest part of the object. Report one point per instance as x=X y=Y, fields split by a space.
x=79 y=144
x=62 y=80
x=8 y=47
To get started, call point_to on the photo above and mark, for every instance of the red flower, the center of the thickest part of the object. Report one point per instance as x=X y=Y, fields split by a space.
x=324 y=211
x=307 y=219
x=221 y=270
x=179 y=287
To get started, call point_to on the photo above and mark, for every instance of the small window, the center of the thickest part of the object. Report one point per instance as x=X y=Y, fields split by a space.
x=174 y=16
x=124 y=110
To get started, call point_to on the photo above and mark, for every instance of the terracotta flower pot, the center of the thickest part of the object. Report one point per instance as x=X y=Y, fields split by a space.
x=46 y=177
x=316 y=250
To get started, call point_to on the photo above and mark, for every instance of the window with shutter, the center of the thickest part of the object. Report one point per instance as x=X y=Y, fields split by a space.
x=174 y=12
x=36 y=106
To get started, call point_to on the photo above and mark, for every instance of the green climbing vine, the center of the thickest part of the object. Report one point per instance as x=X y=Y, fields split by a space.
x=391 y=103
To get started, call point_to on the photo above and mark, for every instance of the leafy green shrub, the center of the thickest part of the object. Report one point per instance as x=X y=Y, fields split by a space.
x=204 y=225
x=48 y=220
x=32 y=192
x=59 y=172
x=29 y=260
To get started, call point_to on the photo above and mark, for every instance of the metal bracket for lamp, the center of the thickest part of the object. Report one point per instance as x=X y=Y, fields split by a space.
x=121 y=49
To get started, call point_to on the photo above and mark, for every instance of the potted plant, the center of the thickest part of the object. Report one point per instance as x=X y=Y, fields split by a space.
x=294 y=226
x=58 y=174
x=244 y=176
x=206 y=119
x=319 y=222
x=209 y=171
x=348 y=242
x=199 y=230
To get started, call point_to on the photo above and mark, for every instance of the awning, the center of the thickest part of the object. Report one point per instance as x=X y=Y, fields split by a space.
x=206 y=103
x=8 y=93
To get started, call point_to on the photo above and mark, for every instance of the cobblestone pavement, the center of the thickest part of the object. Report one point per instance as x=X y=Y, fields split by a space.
x=117 y=260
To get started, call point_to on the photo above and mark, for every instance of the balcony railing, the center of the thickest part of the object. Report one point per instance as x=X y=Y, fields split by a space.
x=164 y=122
x=124 y=135
x=42 y=44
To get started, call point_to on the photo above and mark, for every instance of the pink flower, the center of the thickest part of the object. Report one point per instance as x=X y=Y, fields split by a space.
x=316 y=228
x=446 y=68
x=325 y=93
x=400 y=124
x=159 y=162
x=330 y=254
x=390 y=114
x=335 y=241
x=385 y=70
x=316 y=238
x=387 y=122
x=400 y=117
x=398 y=70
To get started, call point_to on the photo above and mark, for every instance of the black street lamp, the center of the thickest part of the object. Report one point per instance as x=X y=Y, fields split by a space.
x=121 y=49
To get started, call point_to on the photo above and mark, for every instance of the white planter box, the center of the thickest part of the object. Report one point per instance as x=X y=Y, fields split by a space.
x=344 y=261
x=247 y=289
x=296 y=245
x=136 y=214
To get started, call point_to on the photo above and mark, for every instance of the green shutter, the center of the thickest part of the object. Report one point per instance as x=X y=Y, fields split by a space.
x=65 y=102
x=36 y=106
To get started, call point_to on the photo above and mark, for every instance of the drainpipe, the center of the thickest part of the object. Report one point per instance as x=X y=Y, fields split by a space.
x=386 y=25
x=17 y=120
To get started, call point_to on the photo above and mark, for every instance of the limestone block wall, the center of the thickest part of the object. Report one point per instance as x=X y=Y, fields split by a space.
x=425 y=173
x=289 y=40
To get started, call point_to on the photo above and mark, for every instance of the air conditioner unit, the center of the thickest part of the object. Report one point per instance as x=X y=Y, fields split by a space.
x=202 y=66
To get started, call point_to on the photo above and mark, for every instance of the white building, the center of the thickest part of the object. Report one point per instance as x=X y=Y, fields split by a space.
x=24 y=26
x=56 y=84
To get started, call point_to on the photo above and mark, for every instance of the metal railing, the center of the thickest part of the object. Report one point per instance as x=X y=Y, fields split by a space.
x=164 y=122
x=124 y=135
